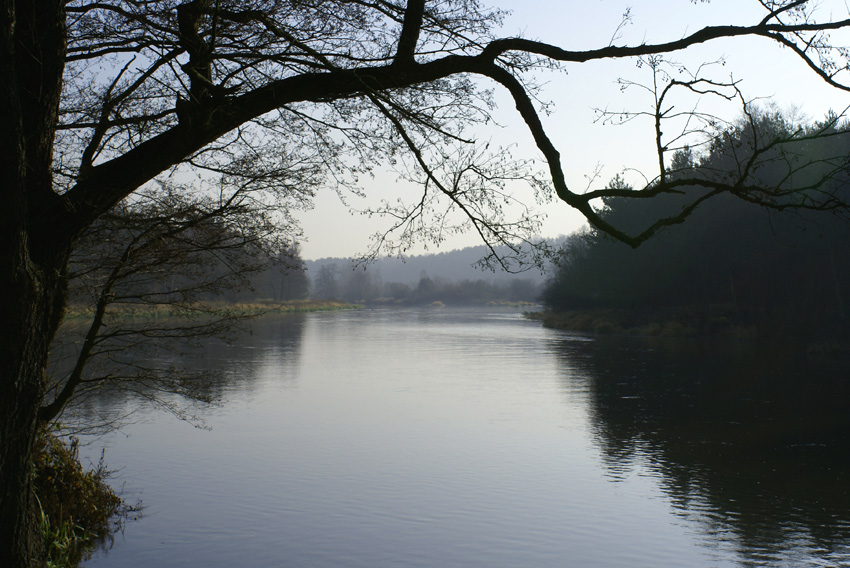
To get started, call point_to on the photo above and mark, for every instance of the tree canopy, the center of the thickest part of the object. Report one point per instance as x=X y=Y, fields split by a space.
x=286 y=97
x=778 y=268
x=151 y=277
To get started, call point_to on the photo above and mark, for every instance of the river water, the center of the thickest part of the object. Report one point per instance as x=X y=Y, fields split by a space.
x=476 y=438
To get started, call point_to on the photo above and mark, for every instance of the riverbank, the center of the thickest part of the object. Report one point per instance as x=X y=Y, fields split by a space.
x=442 y=301
x=258 y=307
x=78 y=508
x=720 y=322
x=656 y=322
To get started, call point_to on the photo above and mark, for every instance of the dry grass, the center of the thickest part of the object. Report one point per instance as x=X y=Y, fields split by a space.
x=78 y=507
x=258 y=307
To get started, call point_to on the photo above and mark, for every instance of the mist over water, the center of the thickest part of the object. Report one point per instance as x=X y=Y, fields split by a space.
x=433 y=437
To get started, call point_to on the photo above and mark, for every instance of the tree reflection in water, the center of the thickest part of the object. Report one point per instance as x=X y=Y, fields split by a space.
x=750 y=440
x=206 y=372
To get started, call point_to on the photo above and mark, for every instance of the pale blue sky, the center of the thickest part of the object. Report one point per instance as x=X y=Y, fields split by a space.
x=765 y=69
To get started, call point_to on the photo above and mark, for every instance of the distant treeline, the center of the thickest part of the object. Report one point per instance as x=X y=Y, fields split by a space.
x=289 y=278
x=777 y=270
x=165 y=252
x=450 y=277
x=169 y=249
x=454 y=265
x=339 y=281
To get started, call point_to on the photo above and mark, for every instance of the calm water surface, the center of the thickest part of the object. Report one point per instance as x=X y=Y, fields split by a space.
x=448 y=438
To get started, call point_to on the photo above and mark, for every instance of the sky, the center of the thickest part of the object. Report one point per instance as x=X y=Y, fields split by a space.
x=766 y=71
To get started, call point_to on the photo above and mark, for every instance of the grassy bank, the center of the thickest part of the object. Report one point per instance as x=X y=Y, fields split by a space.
x=258 y=307
x=78 y=508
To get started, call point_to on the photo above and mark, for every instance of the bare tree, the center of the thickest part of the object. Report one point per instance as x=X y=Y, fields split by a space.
x=326 y=283
x=168 y=256
x=101 y=97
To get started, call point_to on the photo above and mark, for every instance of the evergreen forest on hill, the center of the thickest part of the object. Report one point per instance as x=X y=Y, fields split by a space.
x=734 y=263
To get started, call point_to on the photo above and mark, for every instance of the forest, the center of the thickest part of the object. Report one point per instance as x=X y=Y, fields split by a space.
x=734 y=265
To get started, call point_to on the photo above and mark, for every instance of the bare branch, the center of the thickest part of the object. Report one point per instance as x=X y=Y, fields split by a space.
x=410 y=31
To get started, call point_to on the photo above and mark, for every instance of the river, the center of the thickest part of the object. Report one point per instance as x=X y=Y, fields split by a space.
x=476 y=438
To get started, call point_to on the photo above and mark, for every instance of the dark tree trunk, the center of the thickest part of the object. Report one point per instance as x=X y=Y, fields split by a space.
x=30 y=316
x=33 y=258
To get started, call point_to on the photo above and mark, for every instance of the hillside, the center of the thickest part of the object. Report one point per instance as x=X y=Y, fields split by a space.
x=455 y=265
x=450 y=277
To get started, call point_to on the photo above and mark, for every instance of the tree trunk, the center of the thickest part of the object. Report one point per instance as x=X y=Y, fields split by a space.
x=33 y=255
x=30 y=316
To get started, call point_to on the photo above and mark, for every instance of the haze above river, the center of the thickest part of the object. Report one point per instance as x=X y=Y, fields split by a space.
x=446 y=438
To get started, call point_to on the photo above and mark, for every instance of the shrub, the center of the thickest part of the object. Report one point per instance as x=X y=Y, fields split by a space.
x=78 y=507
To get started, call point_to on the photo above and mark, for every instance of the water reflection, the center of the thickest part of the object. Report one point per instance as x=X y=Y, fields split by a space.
x=208 y=372
x=751 y=442
x=471 y=438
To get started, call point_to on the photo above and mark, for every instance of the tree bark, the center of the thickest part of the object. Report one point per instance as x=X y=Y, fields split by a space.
x=34 y=259
x=29 y=322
